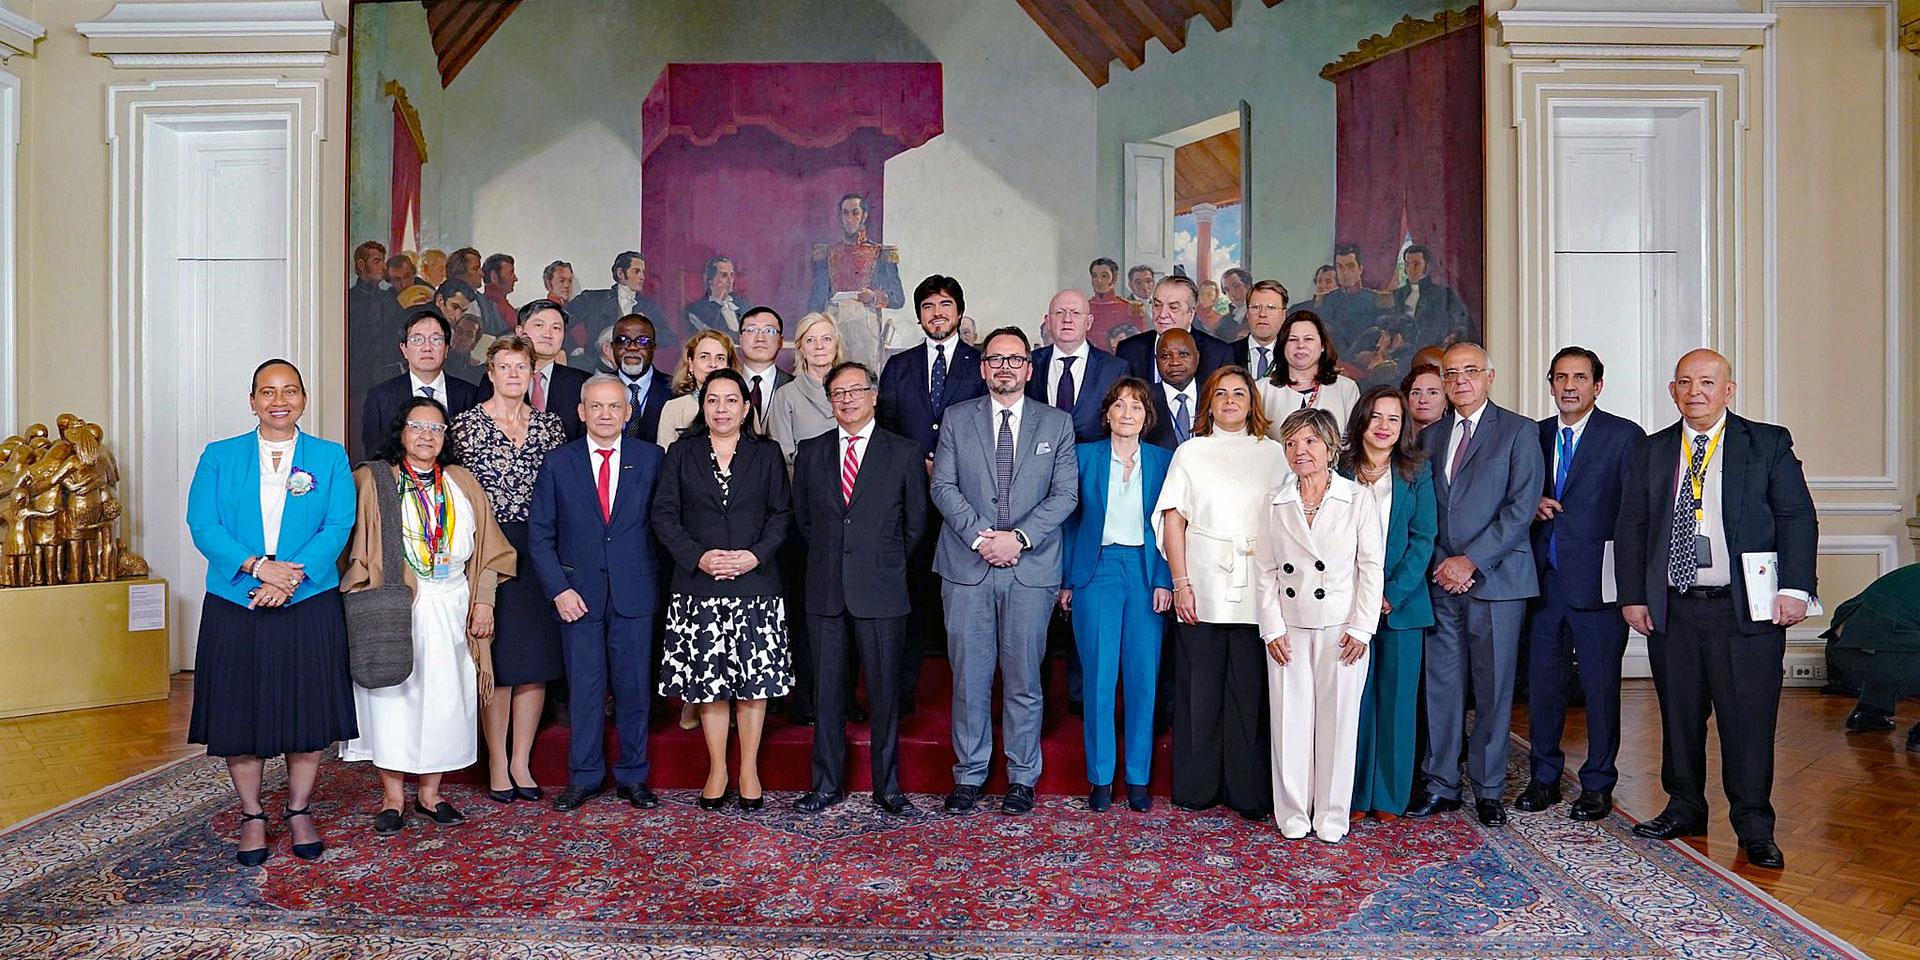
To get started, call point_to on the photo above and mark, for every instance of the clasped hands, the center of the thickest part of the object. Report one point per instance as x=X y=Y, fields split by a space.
x=1455 y=575
x=1000 y=548
x=727 y=564
x=278 y=580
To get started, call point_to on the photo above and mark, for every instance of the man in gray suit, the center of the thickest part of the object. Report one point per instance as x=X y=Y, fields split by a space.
x=1487 y=476
x=1004 y=479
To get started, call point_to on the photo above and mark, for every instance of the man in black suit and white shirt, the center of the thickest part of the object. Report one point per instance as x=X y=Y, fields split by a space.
x=1174 y=301
x=1176 y=395
x=1072 y=374
x=860 y=502
x=1259 y=350
x=1702 y=498
x=596 y=310
x=423 y=344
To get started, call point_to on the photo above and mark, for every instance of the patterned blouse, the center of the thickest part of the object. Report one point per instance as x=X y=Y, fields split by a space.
x=505 y=471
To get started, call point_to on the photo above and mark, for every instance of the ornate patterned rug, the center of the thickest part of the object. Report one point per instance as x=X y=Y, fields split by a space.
x=144 y=869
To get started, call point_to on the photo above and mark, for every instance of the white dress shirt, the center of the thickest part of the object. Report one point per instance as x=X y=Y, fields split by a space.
x=1058 y=364
x=767 y=377
x=273 y=487
x=859 y=444
x=543 y=374
x=613 y=469
x=1382 y=490
x=1453 y=442
x=951 y=343
x=1018 y=408
x=1191 y=392
x=626 y=297
x=1254 y=347
x=1559 y=425
x=643 y=381
x=438 y=383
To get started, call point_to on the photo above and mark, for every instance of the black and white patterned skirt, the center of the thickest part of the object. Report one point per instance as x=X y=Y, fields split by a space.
x=725 y=648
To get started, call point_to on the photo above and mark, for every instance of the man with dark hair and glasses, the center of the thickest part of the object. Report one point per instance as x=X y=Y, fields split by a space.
x=423 y=345
x=647 y=389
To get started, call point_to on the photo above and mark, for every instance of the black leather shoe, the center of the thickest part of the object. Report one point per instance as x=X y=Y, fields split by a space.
x=1138 y=798
x=1075 y=708
x=305 y=851
x=855 y=714
x=503 y=796
x=1763 y=852
x=1100 y=798
x=1019 y=800
x=1668 y=826
x=1862 y=720
x=1427 y=804
x=442 y=813
x=572 y=797
x=1252 y=815
x=1592 y=805
x=252 y=858
x=896 y=804
x=908 y=706
x=388 y=822
x=638 y=795
x=801 y=718
x=815 y=801
x=963 y=799
x=1537 y=797
x=1491 y=813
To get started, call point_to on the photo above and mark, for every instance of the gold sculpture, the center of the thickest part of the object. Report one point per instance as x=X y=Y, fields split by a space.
x=58 y=508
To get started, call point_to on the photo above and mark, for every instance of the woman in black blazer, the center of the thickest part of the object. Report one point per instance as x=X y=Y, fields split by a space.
x=721 y=511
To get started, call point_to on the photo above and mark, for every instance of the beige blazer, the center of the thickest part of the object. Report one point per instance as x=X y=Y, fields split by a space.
x=1323 y=575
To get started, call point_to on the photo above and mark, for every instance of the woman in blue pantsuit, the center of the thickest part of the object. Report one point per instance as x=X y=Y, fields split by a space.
x=1382 y=455
x=1118 y=588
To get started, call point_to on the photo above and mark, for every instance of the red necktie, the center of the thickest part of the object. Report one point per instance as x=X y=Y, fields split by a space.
x=849 y=471
x=606 y=485
x=539 y=391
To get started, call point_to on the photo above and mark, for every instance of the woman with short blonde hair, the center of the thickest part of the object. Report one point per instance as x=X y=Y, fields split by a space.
x=800 y=410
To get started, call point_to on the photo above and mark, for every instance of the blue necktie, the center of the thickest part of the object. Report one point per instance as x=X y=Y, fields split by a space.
x=1182 y=420
x=1559 y=489
x=427 y=392
x=937 y=389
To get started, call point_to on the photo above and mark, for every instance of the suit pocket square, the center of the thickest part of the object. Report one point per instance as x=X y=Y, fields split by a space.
x=1043 y=449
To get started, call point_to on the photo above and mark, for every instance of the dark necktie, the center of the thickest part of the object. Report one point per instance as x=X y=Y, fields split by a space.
x=937 y=388
x=753 y=394
x=1063 y=393
x=1003 y=471
x=1460 y=452
x=1266 y=362
x=1683 y=561
x=427 y=392
x=1182 y=420
x=635 y=401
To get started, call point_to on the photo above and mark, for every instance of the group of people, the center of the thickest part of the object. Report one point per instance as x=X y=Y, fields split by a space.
x=1335 y=576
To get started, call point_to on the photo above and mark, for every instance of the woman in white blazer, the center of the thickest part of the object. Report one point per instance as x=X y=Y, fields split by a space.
x=1321 y=550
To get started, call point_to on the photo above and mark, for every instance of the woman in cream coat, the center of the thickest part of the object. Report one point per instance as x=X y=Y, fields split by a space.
x=1320 y=552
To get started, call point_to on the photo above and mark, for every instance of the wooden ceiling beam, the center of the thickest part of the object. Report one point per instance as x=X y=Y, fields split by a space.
x=1095 y=71
x=1219 y=13
x=1171 y=36
x=1107 y=34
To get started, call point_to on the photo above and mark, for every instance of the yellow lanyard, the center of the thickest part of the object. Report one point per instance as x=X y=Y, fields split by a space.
x=1697 y=481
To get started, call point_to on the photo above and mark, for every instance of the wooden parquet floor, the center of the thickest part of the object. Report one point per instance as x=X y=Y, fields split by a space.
x=1848 y=805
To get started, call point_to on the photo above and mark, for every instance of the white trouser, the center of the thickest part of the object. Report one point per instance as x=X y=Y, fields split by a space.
x=1315 y=723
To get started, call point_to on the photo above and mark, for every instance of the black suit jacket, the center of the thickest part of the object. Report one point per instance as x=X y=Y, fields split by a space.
x=689 y=519
x=385 y=399
x=905 y=407
x=857 y=552
x=645 y=421
x=1590 y=503
x=563 y=397
x=1102 y=369
x=1764 y=507
x=704 y=314
x=1137 y=351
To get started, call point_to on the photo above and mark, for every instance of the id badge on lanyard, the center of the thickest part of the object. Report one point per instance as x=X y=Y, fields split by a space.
x=442 y=566
x=1703 y=544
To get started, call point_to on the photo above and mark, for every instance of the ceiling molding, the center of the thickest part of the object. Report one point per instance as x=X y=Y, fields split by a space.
x=17 y=33
x=1611 y=14
x=284 y=33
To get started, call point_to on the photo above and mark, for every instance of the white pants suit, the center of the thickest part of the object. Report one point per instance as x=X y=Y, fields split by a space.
x=1314 y=718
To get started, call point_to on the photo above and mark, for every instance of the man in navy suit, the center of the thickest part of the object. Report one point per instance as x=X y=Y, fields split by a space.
x=1586 y=451
x=1259 y=350
x=592 y=544
x=916 y=387
x=1487 y=480
x=423 y=344
x=1701 y=496
x=555 y=386
x=647 y=389
x=1174 y=301
x=1176 y=394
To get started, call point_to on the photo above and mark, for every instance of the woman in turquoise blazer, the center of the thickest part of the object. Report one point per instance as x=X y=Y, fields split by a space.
x=271 y=509
x=1118 y=588
x=1383 y=456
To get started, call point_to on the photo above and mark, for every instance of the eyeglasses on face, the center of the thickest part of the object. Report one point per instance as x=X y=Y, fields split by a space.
x=1464 y=373
x=423 y=339
x=633 y=341
x=426 y=426
x=848 y=393
x=1004 y=362
x=759 y=331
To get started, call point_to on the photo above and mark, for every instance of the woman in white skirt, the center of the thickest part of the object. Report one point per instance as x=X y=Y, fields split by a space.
x=1321 y=553
x=454 y=555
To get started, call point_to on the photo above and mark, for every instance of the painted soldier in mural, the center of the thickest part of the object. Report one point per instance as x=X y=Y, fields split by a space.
x=854 y=281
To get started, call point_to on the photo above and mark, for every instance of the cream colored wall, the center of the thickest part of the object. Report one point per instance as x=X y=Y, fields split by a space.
x=65 y=222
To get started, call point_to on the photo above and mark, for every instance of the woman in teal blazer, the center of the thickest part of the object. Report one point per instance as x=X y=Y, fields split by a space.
x=1118 y=588
x=271 y=510
x=1382 y=454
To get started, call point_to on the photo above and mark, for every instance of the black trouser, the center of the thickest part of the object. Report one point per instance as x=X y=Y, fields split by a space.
x=793 y=587
x=926 y=624
x=1556 y=635
x=879 y=642
x=1220 y=717
x=1703 y=664
x=1883 y=675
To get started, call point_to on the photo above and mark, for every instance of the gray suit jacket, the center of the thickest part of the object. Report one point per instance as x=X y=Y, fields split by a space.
x=1486 y=511
x=1045 y=489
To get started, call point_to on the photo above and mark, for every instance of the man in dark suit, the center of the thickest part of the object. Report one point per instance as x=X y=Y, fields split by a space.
x=1174 y=300
x=1176 y=395
x=1487 y=478
x=1005 y=477
x=719 y=309
x=916 y=387
x=591 y=539
x=860 y=503
x=647 y=389
x=1259 y=350
x=595 y=310
x=1586 y=451
x=555 y=387
x=373 y=313
x=1705 y=498
x=762 y=332
x=423 y=344
x=1425 y=311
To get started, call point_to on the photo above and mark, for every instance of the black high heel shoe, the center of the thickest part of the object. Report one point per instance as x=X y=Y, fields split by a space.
x=716 y=803
x=508 y=795
x=252 y=858
x=755 y=803
x=305 y=851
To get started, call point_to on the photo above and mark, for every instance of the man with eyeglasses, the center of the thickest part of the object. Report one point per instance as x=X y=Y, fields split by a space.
x=423 y=345
x=758 y=348
x=632 y=346
x=1488 y=472
x=1005 y=477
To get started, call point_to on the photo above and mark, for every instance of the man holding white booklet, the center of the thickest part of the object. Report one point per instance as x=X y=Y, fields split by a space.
x=1704 y=498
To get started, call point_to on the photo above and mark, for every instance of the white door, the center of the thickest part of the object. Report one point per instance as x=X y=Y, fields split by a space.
x=215 y=276
x=1149 y=207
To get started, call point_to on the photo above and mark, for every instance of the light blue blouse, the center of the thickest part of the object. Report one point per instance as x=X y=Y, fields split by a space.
x=1126 y=514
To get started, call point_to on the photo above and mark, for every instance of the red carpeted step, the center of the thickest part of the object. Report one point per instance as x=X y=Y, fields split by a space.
x=679 y=757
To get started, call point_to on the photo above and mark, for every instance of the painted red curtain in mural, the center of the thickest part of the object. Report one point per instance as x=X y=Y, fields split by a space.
x=406 y=181
x=1410 y=159
x=749 y=161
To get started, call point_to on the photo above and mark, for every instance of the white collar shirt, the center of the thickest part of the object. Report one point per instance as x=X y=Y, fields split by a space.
x=1058 y=365
x=613 y=468
x=1459 y=434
